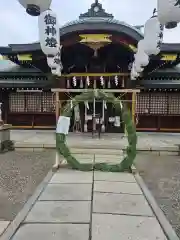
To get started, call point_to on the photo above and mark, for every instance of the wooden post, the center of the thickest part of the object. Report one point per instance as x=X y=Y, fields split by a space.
x=57 y=106
x=134 y=107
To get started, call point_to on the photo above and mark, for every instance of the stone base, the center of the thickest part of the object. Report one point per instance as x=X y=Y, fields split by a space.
x=5 y=143
x=6 y=146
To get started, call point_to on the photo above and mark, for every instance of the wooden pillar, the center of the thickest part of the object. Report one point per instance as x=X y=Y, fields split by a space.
x=134 y=107
x=57 y=105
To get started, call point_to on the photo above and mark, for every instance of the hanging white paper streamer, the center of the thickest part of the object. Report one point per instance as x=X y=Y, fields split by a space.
x=105 y=105
x=63 y=125
x=81 y=83
x=88 y=80
x=117 y=122
x=74 y=81
x=102 y=80
x=116 y=80
x=71 y=104
x=87 y=105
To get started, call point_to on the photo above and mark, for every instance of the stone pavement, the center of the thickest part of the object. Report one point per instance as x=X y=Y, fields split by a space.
x=90 y=206
x=39 y=139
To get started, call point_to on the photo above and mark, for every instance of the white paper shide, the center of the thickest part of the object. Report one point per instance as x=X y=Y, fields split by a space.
x=63 y=125
x=49 y=33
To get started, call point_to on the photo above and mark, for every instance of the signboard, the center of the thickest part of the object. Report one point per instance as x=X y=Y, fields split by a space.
x=169 y=57
x=95 y=38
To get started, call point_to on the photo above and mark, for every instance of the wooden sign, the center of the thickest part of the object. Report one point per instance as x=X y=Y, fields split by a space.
x=95 y=38
x=169 y=57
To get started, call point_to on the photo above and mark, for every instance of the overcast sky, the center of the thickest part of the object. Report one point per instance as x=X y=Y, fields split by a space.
x=17 y=27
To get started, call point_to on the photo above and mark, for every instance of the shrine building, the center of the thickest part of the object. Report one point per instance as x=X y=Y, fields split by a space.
x=97 y=52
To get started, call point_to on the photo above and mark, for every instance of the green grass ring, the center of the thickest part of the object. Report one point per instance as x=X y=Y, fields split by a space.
x=126 y=163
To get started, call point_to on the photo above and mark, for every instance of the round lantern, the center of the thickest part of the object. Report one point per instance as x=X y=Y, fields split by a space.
x=138 y=67
x=141 y=58
x=56 y=71
x=49 y=34
x=51 y=62
x=168 y=12
x=153 y=28
x=152 y=46
x=132 y=77
x=134 y=73
x=35 y=7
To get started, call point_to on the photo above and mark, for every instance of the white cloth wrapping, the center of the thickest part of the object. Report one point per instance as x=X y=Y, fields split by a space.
x=63 y=125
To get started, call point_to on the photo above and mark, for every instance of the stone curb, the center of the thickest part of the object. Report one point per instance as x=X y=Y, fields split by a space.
x=172 y=151
x=172 y=148
x=167 y=228
x=15 y=224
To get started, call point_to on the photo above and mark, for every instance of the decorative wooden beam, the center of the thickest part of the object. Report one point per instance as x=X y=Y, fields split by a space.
x=95 y=74
x=88 y=90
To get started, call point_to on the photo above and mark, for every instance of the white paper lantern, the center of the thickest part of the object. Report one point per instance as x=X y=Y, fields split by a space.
x=51 y=62
x=152 y=47
x=35 y=7
x=134 y=73
x=133 y=77
x=153 y=28
x=153 y=36
x=168 y=12
x=49 y=34
x=56 y=71
x=138 y=67
x=141 y=58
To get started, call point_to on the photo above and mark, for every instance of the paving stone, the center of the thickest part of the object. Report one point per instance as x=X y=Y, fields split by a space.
x=114 y=177
x=121 y=204
x=53 y=231
x=3 y=226
x=71 y=176
x=58 y=212
x=117 y=187
x=111 y=159
x=67 y=192
x=118 y=227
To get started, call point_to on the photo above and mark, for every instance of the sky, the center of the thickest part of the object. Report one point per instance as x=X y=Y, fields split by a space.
x=18 y=27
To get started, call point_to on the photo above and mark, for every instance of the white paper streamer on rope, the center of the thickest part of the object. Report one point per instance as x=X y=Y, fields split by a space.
x=116 y=80
x=81 y=83
x=71 y=104
x=68 y=83
x=74 y=81
x=102 y=81
x=88 y=80
x=87 y=105
x=105 y=105
x=63 y=125
x=168 y=11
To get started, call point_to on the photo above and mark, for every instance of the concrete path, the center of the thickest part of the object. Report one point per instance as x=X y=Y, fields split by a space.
x=46 y=139
x=89 y=206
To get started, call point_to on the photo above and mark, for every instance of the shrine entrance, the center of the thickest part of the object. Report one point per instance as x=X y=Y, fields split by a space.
x=88 y=116
x=102 y=114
